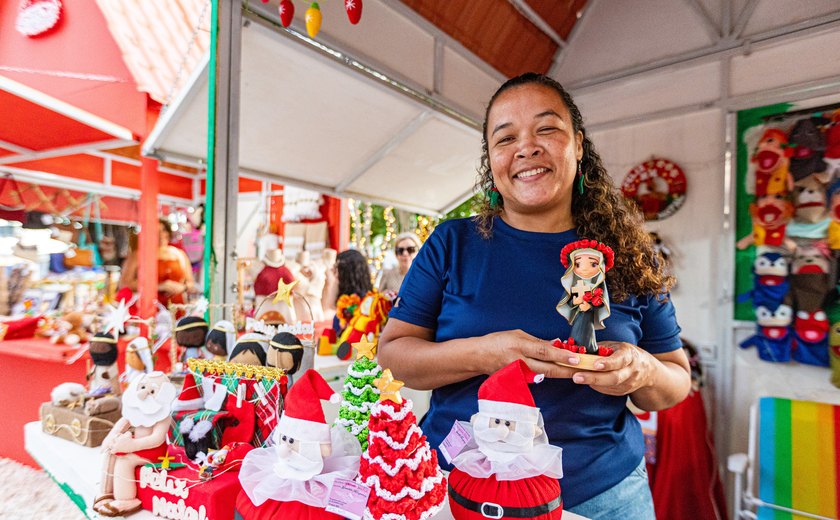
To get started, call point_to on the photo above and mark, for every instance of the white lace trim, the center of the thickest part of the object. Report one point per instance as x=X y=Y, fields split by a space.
x=394 y=444
x=364 y=373
x=428 y=484
x=432 y=511
x=422 y=455
x=355 y=429
x=365 y=407
x=359 y=391
x=408 y=406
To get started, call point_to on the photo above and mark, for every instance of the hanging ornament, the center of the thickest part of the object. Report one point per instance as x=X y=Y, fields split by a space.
x=657 y=186
x=354 y=10
x=313 y=19
x=287 y=13
x=37 y=17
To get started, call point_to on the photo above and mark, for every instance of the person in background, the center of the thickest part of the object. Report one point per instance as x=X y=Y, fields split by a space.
x=406 y=247
x=349 y=276
x=483 y=293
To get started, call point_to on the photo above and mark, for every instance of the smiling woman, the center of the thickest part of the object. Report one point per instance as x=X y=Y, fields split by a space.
x=483 y=292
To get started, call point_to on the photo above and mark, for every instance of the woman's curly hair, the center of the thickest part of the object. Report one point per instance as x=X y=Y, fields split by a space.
x=600 y=212
x=353 y=273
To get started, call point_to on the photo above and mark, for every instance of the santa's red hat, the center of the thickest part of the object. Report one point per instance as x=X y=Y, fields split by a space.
x=506 y=395
x=303 y=417
x=190 y=398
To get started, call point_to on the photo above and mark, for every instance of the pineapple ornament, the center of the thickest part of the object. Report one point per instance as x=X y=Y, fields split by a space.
x=360 y=394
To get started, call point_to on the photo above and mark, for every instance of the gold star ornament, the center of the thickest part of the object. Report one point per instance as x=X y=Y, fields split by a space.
x=389 y=388
x=365 y=348
x=284 y=292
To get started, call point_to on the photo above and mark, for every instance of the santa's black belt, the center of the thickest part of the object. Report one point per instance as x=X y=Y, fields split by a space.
x=491 y=510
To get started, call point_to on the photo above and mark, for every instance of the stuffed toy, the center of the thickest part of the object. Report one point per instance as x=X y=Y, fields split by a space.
x=190 y=333
x=292 y=478
x=770 y=216
x=770 y=283
x=773 y=339
x=138 y=438
x=771 y=164
x=367 y=320
x=808 y=146
x=809 y=197
x=68 y=395
x=810 y=280
x=586 y=303
x=832 y=151
x=70 y=329
x=507 y=469
x=138 y=359
x=285 y=351
x=103 y=377
x=811 y=332
x=221 y=339
x=834 y=353
x=250 y=349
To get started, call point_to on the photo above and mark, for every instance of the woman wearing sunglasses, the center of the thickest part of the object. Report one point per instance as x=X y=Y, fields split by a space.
x=406 y=248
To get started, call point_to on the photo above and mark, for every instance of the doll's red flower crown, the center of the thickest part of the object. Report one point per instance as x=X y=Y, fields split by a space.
x=609 y=256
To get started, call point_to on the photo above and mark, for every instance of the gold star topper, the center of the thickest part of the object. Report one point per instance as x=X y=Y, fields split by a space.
x=389 y=388
x=365 y=348
x=284 y=292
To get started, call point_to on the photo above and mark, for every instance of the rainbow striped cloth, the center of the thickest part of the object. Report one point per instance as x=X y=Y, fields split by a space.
x=799 y=458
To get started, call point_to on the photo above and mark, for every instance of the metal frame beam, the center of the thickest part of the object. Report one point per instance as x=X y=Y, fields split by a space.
x=743 y=18
x=562 y=52
x=708 y=24
x=65 y=150
x=532 y=16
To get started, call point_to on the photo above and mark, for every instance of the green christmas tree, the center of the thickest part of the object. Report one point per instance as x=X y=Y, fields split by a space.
x=359 y=393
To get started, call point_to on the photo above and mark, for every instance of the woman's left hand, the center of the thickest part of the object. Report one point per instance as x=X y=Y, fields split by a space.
x=623 y=372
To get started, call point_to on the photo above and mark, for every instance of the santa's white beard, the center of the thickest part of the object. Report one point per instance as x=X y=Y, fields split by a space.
x=149 y=411
x=301 y=465
x=500 y=444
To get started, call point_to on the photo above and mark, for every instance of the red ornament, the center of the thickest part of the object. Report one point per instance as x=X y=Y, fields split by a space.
x=287 y=12
x=354 y=10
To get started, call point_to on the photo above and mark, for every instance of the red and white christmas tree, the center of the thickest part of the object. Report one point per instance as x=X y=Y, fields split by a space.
x=402 y=471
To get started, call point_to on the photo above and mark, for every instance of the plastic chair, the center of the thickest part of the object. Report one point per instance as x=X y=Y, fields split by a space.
x=794 y=454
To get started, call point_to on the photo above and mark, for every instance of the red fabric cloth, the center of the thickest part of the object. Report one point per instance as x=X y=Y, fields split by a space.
x=150 y=454
x=267 y=279
x=685 y=482
x=530 y=492
x=19 y=329
x=272 y=509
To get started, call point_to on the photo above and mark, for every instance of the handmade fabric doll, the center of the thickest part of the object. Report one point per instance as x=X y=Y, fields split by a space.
x=508 y=469
x=770 y=216
x=809 y=197
x=190 y=333
x=221 y=339
x=810 y=280
x=138 y=438
x=138 y=359
x=586 y=303
x=808 y=147
x=770 y=283
x=250 y=349
x=292 y=478
x=811 y=332
x=772 y=339
x=771 y=164
x=285 y=351
x=103 y=377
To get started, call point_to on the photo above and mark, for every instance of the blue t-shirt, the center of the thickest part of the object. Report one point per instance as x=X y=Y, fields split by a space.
x=461 y=285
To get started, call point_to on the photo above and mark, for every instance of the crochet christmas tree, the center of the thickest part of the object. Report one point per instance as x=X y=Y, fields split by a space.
x=402 y=471
x=359 y=393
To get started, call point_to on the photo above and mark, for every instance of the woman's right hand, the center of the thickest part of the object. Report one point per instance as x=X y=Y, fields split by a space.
x=540 y=355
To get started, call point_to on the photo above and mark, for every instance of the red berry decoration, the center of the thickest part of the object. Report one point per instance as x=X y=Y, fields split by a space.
x=354 y=10
x=287 y=12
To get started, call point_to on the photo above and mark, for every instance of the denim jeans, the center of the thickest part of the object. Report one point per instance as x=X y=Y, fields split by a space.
x=630 y=499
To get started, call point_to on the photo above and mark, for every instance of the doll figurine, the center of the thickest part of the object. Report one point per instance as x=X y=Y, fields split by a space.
x=586 y=303
x=190 y=333
x=285 y=351
x=221 y=340
x=103 y=376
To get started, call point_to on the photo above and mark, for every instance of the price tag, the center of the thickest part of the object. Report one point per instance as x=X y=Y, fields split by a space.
x=348 y=499
x=454 y=443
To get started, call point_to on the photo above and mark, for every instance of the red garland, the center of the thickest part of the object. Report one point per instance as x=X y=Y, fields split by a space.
x=609 y=255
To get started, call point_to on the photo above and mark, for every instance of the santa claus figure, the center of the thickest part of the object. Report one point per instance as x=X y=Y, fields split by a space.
x=292 y=478
x=508 y=469
x=138 y=438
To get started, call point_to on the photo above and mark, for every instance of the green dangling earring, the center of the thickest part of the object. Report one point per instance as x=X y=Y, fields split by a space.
x=494 y=196
x=580 y=180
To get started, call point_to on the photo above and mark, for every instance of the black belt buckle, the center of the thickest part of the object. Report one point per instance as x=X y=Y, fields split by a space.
x=496 y=511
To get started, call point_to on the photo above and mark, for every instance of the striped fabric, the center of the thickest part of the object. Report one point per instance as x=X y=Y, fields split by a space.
x=798 y=452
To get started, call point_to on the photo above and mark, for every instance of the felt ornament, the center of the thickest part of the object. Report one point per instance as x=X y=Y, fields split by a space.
x=773 y=339
x=770 y=283
x=834 y=353
x=292 y=478
x=770 y=216
x=808 y=145
x=354 y=10
x=103 y=376
x=313 y=19
x=190 y=333
x=810 y=281
x=832 y=151
x=809 y=199
x=140 y=433
x=771 y=160
x=285 y=351
x=250 y=349
x=508 y=469
x=585 y=303
x=287 y=12
x=811 y=332
x=221 y=339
